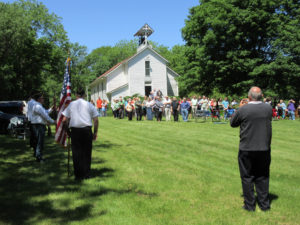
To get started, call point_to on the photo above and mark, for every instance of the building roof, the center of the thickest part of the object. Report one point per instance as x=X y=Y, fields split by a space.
x=173 y=71
x=145 y=30
x=122 y=62
x=118 y=88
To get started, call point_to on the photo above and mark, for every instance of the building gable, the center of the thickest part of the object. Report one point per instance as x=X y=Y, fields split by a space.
x=137 y=72
x=108 y=72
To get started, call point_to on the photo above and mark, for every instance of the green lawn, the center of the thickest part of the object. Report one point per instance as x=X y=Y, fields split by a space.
x=149 y=173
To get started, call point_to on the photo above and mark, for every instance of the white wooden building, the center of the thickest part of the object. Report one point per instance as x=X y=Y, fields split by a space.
x=139 y=74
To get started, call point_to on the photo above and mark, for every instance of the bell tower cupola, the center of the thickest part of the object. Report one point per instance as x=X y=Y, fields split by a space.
x=143 y=35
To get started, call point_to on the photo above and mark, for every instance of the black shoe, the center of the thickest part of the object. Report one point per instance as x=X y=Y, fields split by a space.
x=248 y=209
x=265 y=209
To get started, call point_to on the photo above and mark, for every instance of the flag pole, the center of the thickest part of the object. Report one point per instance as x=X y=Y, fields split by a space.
x=68 y=146
x=62 y=131
x=69 y=139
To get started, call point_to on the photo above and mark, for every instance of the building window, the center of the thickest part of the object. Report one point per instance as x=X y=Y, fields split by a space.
x=147 y=68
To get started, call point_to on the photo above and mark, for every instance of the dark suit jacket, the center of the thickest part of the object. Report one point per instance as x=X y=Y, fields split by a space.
x=254 y=120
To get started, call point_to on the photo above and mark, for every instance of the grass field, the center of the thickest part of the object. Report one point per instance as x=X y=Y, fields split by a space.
x=149 y=173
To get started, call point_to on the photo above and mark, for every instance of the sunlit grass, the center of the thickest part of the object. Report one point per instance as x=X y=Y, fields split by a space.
x=149 y=173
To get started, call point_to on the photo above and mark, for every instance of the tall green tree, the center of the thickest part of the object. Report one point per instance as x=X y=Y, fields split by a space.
x=103 y=58
x=53 y=82
x=33 y=46
x=233 y=44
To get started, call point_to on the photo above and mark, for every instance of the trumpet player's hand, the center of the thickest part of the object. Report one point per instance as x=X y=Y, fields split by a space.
x=243 y=102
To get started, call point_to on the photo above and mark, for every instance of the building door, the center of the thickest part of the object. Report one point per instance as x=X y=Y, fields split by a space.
x=148 y=89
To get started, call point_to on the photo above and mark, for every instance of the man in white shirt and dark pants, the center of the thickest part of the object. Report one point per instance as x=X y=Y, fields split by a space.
x=39 y=119
x=30 y=104
x=81 y=115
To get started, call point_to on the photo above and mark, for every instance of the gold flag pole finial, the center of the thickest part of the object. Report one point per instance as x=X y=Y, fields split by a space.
x=69 y=61
x=69 y=58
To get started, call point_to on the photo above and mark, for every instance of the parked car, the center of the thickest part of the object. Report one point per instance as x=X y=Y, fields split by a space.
x=12 y=119
x=12 y=107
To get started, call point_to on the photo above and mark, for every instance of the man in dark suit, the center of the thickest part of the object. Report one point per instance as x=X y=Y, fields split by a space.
x=254 y=118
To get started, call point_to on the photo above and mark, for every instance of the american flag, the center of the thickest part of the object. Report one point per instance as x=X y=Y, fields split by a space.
x=65 y=99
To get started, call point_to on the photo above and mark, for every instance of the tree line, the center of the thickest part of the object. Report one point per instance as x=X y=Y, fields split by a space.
x=230 y=45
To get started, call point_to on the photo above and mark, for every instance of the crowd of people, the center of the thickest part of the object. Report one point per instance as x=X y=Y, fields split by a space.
x=156 y=106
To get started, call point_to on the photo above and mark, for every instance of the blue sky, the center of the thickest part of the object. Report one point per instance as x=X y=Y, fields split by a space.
x=96 y=23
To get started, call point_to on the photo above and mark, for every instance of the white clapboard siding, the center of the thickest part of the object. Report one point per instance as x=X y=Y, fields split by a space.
x=116 y=79
x=128 y=77
x=99 y=91
x=136 y=72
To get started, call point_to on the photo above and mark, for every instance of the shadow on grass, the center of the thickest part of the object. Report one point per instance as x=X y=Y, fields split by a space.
x=32 y=192
x=272 y=197
x=103 y=172
x=133 y=189
x=103 y=147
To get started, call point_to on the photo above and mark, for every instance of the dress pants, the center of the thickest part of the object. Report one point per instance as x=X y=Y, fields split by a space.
x=121 y=113
x=158 y=115
x=39 y=135
x=32 y=140
x=129 y=114
x=115 y=113
x=82 y=139
x=255 y=171
x=139 y=113
x=175 y=114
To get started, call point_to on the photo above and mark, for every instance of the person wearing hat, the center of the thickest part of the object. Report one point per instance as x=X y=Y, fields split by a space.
x=79 y=117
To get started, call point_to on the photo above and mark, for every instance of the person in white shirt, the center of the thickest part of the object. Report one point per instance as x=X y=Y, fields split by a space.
x=39 y=119
x=154 y=93
x=79 y=116
x=149 y=105
x=234 y=103
x=167 y=105
x=204 y=104
x=194 y=105
x=32 y=140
